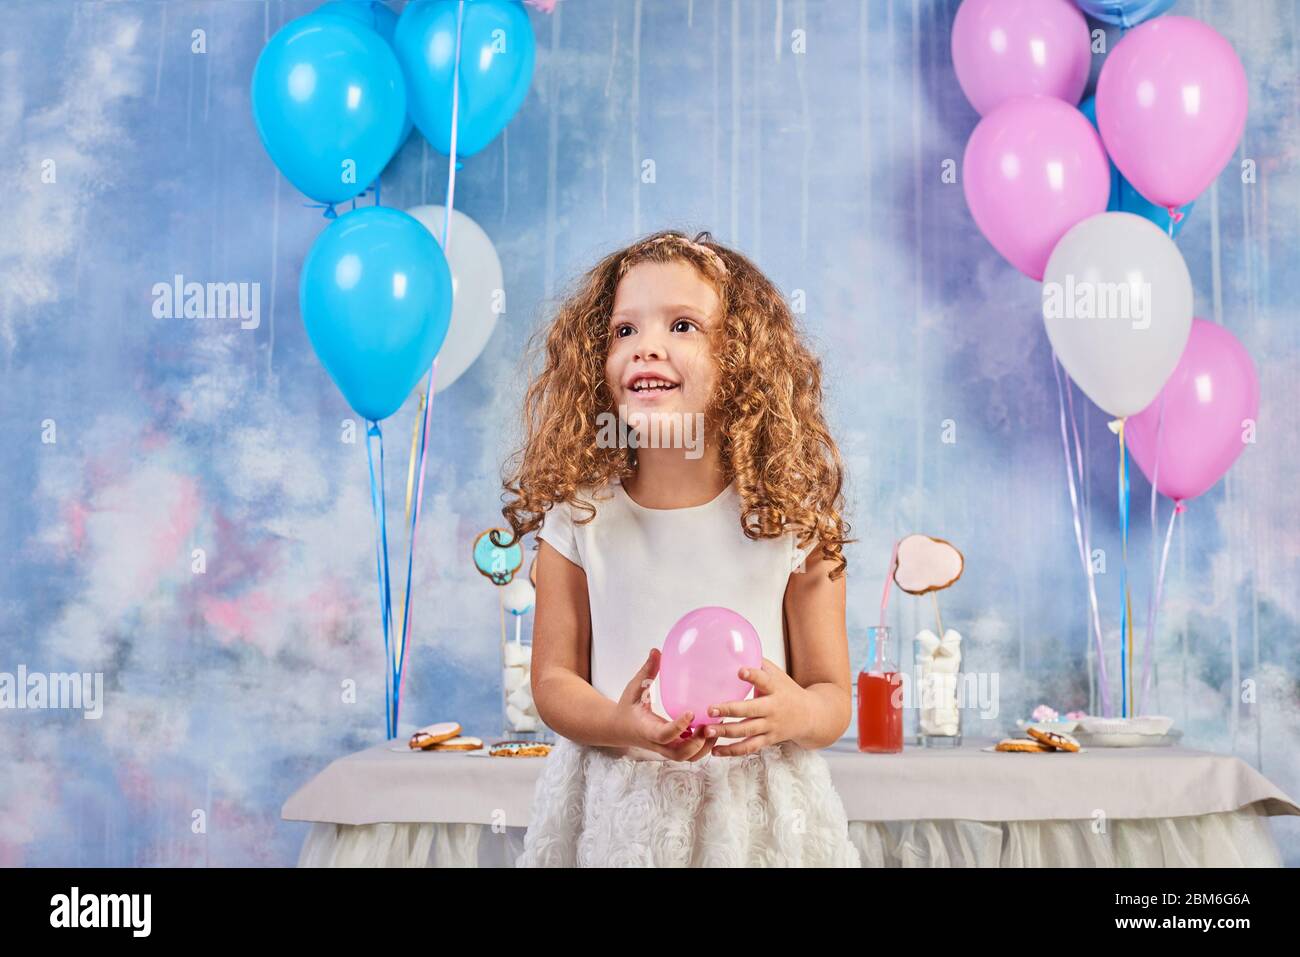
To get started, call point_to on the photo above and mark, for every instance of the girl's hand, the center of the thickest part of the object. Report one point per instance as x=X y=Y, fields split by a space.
x=779 y=711
x=637 y=725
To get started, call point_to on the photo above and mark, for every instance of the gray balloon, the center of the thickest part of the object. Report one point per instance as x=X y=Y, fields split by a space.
x=1117 y=303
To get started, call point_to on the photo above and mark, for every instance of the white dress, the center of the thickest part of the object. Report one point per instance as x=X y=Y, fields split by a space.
x=604 y=807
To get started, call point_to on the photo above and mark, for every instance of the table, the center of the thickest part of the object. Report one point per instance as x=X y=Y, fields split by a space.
x=926 y=807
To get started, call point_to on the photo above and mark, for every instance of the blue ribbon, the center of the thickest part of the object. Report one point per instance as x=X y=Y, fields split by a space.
x=375 y=438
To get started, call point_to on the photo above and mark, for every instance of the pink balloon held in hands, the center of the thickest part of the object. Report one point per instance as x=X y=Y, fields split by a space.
x=1006 y=48
x=701 y=660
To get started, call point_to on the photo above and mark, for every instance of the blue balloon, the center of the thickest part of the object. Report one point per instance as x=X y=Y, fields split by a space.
x=378 y=17
x=1124 y=13
x=375 y=296
x=1125 y=199
x=329 y=101
x=496 y=68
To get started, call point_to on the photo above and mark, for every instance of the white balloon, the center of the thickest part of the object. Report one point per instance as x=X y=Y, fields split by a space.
x=478 y=286
x=518 y=596
x=1117 y=303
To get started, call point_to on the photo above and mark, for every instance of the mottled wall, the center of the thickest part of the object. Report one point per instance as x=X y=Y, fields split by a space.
x=223 y=689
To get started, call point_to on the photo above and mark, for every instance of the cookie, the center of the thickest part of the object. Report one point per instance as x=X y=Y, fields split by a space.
x=432 y=734
x=520 y=749
x=1053 y=739
x=461 y=743
x=1020 y=744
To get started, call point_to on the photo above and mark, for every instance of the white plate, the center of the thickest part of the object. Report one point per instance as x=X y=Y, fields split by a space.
x=1082 y=750
x=1141 y=724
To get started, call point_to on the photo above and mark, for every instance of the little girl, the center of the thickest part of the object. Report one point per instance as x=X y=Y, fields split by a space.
x=676 y=456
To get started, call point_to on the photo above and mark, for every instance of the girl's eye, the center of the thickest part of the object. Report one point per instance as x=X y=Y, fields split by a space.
x=689 y=325
x=619 y=330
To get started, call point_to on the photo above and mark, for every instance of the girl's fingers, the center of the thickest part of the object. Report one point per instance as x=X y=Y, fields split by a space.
x=632 y=693
x=751 y=708
x=761 y=678
x=748 y=746
x=670 y=730
x=704 y=751
x=737 y=729
x=692 y=748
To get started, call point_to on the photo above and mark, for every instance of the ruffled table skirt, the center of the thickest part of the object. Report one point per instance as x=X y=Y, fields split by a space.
x=1228 y=839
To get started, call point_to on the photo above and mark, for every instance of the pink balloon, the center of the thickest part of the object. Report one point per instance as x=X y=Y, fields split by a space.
x=1171 y=106
x=1034 y=167
x=1212 y=391
x=1006 y=48
x=701 y=657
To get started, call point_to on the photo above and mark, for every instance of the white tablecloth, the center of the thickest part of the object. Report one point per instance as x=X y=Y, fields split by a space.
x=1159 y=807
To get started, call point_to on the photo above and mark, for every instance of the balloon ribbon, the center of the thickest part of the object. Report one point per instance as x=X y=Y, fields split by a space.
x=427 y=398
x=375 y=450
x=1082 y=536
x=1126 y=611
x=1157 y=592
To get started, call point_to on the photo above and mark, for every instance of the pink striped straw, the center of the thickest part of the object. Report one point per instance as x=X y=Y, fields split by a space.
x=889 y=576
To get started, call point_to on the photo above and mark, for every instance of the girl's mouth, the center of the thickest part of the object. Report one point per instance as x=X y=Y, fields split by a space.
x=652 y=386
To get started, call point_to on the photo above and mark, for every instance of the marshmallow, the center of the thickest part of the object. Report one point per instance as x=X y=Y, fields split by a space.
x=514 y=678
x=517 y=655
x=521 y=698
x=939 y=662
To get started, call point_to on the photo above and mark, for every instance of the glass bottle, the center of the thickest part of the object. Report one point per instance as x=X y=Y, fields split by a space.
x=880 y=696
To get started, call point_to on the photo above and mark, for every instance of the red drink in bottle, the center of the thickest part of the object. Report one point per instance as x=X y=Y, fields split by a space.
x=880 y=699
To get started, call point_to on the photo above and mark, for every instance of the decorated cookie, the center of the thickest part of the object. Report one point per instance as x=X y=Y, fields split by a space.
x=1020 y=744
x=1053 y=739
x=520 y=749
x=461 y=743
x=428 y=736
x=926 y=564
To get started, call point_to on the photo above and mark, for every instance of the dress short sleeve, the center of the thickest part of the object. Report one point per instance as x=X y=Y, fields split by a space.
x=558 y=532
x=799 y=555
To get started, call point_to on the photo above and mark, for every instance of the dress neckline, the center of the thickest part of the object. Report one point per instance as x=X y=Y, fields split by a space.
x=674 y=511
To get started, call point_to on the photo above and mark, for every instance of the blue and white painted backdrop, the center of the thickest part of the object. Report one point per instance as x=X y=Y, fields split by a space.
x=223 y=689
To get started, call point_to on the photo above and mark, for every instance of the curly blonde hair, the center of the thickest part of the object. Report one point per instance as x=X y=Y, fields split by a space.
x=774 y=441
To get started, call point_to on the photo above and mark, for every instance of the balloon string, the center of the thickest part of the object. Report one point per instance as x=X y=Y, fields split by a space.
x=410 y=488
x=375 y=438
x=1082 y=540
x=1158 y=591
x=1148 y=650
x=1089 y=572
x=414 y=524
x=1126 y=610
x=415 y=447
x=433 y=368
